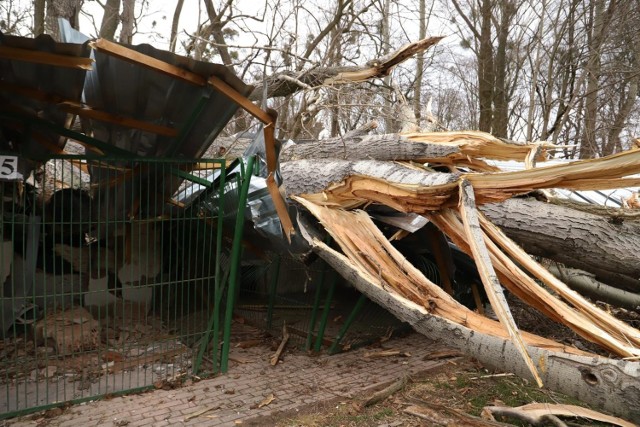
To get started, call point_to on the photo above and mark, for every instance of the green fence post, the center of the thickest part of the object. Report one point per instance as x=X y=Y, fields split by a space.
x=214 y=320
x=314 y=310
x=273 y=287
x=234 y=264
x=347 y=324
x=325 y=311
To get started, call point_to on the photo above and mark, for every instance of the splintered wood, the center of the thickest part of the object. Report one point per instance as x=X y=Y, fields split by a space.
x=373 y=256
x=475 y=239
x=345 y=184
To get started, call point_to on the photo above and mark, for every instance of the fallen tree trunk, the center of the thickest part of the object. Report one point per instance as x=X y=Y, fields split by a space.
x=463 y=148
x=613 y=385
x=575 y=238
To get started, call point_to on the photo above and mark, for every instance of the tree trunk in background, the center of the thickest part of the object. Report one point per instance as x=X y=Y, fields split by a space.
x=216 y=31
x=110 y=20
x=601 y=19
x=417 y=91
x=38 y=17
x=534 y=78
x=390 y=122
x=67 y=9
x=486 y=78
x=500 y=119
x=174 y=25
x=629 y=93
x=127 y=18
x=588 y=147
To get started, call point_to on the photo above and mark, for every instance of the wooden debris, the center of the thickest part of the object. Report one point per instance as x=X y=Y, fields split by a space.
x=539 y=414
x=379 y=396
x=72 y=331
x=298 y=332
x=248 y=343
x=442 y=354
x=482 y=377
x=200 y=412
x=267 y=400
x=239 y=359
x=475 y=239
x=285 y=337
x=386 y=353
x=438 y=415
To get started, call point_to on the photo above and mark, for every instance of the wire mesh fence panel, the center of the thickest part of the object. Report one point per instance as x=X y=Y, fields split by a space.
x=113 y=274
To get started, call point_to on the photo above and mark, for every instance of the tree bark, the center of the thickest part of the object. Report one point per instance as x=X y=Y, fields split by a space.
x=500 y=118
x=38 y=17
x=417 y=91
x=67 y=9
x=486 y=77
x=587 y=285
x=577 y=239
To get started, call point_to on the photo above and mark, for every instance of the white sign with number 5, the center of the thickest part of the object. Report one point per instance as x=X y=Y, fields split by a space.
x=9 y=168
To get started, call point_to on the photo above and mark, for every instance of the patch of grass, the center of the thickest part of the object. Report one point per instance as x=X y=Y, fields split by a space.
x=386 y=412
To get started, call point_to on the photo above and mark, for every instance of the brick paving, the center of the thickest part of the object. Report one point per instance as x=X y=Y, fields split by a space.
x=235 y=397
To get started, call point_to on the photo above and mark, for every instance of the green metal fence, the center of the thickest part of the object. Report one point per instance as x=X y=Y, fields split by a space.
x=118 y=275
x=321 y=311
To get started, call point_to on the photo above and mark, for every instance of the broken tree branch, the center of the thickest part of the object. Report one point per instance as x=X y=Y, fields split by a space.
x=586 y=284
x=285 y=337
x=537 y=413
x=326 y=76
x=380 y=395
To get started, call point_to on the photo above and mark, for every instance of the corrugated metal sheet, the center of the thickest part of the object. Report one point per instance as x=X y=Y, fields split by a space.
x=130 y=90
x=66 y=83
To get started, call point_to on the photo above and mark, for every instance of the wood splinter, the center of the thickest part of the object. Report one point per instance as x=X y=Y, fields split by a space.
x=285 y=337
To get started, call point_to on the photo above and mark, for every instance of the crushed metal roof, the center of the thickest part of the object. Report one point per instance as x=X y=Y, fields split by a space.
x=125 y=89
x=127 y=109
x=173 y=118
